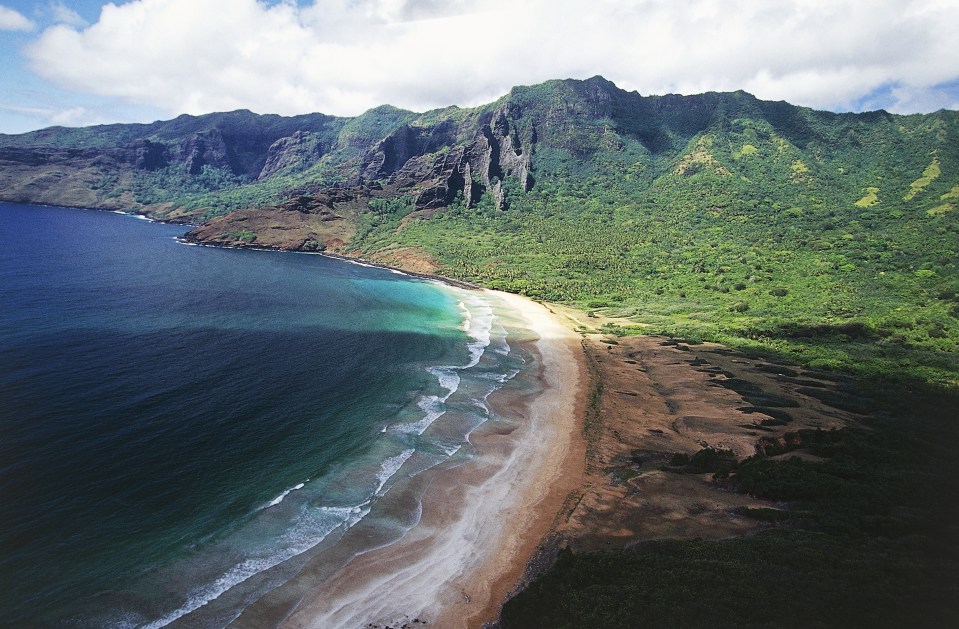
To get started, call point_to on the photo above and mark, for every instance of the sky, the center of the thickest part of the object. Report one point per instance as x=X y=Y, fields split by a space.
x=92 y=62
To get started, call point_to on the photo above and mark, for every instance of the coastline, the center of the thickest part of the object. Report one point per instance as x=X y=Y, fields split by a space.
x=559 y=409
x=480 y=522
x=336 y=256
x=524 y=478
x=146 y=215
x=649 y=398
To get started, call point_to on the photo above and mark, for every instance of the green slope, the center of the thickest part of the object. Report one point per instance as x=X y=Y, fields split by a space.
x=831 y=238
x=723 y=217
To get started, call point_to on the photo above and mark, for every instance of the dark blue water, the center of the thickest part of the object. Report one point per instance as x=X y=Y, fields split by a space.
x=175 y=420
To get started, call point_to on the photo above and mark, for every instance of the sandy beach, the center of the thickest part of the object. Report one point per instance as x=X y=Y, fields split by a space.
x=481 y=522
x=579 y=465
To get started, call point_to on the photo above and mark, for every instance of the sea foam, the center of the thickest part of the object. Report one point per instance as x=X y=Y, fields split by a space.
x=478 y=319
x=315 y=524
x=389 y=468
x=283 y=495
x=310 y=529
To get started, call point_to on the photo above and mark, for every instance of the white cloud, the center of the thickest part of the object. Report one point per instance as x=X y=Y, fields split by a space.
x=909 y=99
x=11 y=20
x=62 y=14
x=65 y=116
x=73 y=117
x=344 y=56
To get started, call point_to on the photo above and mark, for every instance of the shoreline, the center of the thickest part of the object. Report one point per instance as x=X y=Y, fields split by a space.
x=561 y=470
x=458 y=564
x=496 y=574
x=336 y=256
x=146 y=215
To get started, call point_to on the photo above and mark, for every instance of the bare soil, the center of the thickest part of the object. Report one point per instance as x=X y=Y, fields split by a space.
x=650 y=398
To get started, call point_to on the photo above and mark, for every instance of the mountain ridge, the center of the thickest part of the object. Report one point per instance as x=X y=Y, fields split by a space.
x=717 y=215
x=222 y=151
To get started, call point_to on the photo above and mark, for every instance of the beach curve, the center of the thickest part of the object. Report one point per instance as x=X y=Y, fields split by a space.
x=480 y=522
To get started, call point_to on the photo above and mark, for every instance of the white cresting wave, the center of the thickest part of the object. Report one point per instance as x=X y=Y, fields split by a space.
x=478 y=324
x=315 y=524
x=283 y=495
x=308 y=530
x=389 y=468
x=131 y=214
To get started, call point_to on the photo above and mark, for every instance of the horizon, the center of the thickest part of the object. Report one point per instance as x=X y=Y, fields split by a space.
x=141 y=61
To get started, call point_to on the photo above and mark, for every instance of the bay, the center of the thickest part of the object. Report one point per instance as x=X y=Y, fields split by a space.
x=175 y=420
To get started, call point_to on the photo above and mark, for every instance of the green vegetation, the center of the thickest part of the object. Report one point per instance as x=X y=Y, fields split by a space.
x=706 y=460
x=931 y=172
x=173 y=184
x=244 y=235
x=669 y=220
x=769 y=227
x=385 y=216
x=871 y=198
x=778 y=281
x=775 y=579
x=952 y=197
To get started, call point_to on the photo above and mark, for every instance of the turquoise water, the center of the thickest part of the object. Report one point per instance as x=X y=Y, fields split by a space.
x=183 y=427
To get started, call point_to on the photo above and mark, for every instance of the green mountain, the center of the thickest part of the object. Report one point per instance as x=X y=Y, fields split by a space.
x=828 y=238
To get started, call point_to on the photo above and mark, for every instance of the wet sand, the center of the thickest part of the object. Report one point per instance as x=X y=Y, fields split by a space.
x=480 y=522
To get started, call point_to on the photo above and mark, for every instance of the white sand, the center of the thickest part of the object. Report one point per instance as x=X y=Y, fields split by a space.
x=480 y=522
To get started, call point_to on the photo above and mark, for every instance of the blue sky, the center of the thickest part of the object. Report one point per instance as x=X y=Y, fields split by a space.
x=91 y=62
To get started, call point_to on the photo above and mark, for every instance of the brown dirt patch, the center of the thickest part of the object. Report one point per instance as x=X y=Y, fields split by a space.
x=652 y=398
x=413 y=259
x=288 y=230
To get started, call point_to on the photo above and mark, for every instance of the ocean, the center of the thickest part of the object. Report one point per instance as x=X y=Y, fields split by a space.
x=184 y=428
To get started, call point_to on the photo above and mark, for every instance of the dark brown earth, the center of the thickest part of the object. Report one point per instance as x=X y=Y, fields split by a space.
x=652 y=397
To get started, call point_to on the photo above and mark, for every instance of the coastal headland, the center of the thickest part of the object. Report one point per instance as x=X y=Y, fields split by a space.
x=613 y=439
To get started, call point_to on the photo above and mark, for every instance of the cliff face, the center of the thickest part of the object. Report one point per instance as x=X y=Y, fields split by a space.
x=435 y=158
x=292 y=153
x=720 y=149
x=114 y=166
x=430 y=159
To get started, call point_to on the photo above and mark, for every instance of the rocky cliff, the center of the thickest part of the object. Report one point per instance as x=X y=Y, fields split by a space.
x=136 y=166
x=238 y=171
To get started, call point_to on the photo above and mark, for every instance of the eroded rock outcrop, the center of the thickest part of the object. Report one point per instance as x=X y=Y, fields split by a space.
x=149 y=155
x=428 y=160
x=293 y=153
x=205 y=149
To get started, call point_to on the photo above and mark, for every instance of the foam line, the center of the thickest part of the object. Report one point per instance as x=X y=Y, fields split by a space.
x=308 y=531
